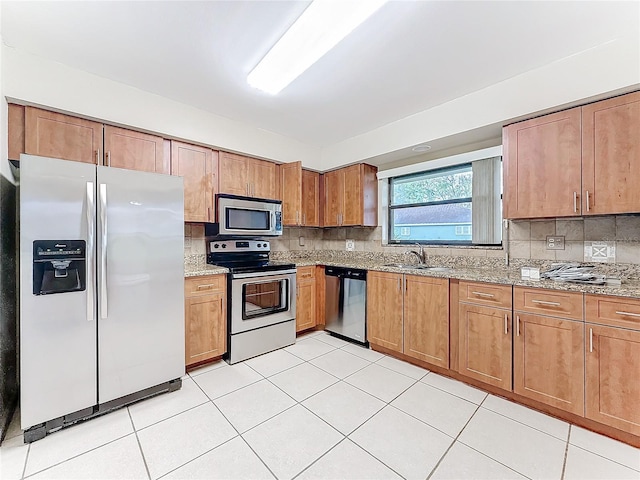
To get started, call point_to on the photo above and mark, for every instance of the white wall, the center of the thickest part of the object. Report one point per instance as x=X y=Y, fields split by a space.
x=606 y=68
x=40 y=81
x=4 y=164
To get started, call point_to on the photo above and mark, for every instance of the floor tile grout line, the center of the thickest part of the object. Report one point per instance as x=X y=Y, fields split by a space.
x=74 y=456
x=170 y=416
x=135 y=432
x=492 y=459
x=637 y=470
x=370 y=453
x=455 y=394
x=26 y=459
x=525 y=424
x=259 y=457
x=566 y=453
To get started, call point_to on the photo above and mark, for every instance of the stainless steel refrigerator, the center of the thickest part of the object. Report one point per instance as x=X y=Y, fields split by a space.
x=102 y=289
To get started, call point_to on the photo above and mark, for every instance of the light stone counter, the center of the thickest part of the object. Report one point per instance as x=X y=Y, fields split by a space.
x=196 y=266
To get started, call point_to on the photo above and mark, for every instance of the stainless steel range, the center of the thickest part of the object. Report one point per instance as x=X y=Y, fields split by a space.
x=261 y=300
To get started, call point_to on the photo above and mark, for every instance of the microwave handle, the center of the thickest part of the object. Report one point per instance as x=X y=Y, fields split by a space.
x=273 y=220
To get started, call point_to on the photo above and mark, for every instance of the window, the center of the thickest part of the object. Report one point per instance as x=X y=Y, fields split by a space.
x=436 y=206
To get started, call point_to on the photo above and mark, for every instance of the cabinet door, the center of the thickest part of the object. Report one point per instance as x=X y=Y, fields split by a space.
x=198 y=167
x=234 y=176
x=352 y=207
x=548 y=361
x=50 y=134
x=485 y=344
x=542 y=166
x=333 y=197
x=612 y=380
x=291 y=185
x=384 y=310
x=305 y=304
x=611 y=155
x=15 y=128
x=262 y=178
x=426 y=319
x=134 y=150
x=205 y=327
x=310 y=198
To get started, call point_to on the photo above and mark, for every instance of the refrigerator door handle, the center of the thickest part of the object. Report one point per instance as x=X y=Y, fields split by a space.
x=103 y=251
x=91 y=264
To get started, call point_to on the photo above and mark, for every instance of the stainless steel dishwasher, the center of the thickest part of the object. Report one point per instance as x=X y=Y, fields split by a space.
x=346 y=303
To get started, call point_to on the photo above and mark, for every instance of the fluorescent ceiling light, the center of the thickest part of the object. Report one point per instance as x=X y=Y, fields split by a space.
x=320 y=28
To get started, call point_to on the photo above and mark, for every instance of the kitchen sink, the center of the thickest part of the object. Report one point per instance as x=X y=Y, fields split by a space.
x=417 y=267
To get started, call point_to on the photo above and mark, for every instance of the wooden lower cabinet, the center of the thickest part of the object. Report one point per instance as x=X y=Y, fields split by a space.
x=384 y=310
x=306 y=308
x=613 y=377
x=485 y=343
x=548 y=361
x=426 y=319
x=205 y=318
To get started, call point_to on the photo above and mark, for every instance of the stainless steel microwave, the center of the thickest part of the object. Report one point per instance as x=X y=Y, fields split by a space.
x=246 y=217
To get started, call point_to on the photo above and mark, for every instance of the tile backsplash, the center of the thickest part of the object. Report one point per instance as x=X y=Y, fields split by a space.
x=527 y=239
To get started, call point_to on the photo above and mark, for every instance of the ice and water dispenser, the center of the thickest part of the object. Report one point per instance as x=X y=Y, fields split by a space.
x=59 y=266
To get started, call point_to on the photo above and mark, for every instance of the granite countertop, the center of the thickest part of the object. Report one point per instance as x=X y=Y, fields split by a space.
x=504 y=275
x=196 y=266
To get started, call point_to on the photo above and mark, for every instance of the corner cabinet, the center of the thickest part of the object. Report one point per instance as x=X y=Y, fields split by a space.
x=409 y=314
x=205 y=318
x=575 y=162
x=199 y=168
x=351 y=197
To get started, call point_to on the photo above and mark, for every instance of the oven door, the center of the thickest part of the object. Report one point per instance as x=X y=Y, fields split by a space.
x=261 y=299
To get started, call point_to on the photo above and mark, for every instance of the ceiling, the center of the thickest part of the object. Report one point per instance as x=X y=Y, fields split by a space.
x=408 y=57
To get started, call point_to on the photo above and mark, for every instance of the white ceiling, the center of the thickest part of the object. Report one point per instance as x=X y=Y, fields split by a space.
x=408 y=57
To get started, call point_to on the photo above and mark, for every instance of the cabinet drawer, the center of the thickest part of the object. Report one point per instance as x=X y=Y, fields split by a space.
x=306 y=272
x=613 y=311
x=194 y=286
x=548 y=302
x=485 y=294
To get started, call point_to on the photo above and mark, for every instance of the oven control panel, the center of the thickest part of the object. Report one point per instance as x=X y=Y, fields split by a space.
x=239 y=246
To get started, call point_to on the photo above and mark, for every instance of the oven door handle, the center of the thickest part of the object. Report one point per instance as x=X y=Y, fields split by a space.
x=262 y=274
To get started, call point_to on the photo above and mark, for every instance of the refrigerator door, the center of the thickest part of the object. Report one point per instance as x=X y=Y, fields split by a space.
x=140 y=281
x=57 y=330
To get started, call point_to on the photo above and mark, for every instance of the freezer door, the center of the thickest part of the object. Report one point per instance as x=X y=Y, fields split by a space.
x=140 y=281
x=57 y=330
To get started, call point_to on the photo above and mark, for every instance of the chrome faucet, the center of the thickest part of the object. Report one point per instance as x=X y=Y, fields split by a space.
x=421 y=254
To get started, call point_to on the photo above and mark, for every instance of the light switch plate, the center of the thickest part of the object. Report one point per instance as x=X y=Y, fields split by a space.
x=555 y=242
x=600 y=252
x=350 y=245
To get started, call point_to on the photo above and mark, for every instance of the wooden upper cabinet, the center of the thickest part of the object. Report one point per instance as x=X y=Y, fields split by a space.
x=234 y=174
x=611 y=155
x=351 y=196
x=484 y=342
x=384 y=310
x=134 y=150
x=548 y=361
x=50 y=134
x=310 y=198
x=612 y=381
x=426 y=319
x=247 y=177
x=291 y=186
x=16 y=131
x=542 y=166
x=262 y=178
x=199 y=168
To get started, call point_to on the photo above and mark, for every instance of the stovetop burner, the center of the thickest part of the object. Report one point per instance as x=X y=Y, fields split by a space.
x=244 y=256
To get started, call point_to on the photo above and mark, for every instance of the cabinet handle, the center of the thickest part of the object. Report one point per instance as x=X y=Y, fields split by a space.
x=480 y=294
x=304 y=218
x=588 y=206
x=506 y=324
x=209 y=285
x=109 y=158
x=518 y=325
x=209 y=214
x=575 y=201
x=248 y=191
x=629 y=314
x=591 y=340
x=542 y=302
x=399 y=286
x=297 y=217
x=98 y=157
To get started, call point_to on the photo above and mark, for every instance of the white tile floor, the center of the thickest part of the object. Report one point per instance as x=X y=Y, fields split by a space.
x=320 y=409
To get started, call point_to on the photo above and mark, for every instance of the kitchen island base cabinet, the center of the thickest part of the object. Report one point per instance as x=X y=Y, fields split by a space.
x=205 y=318
x=384 y=310
x=548 y=357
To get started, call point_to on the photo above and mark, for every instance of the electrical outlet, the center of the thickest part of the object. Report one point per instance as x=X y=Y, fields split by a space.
x=301 y=241
x=350 y=245
x=555 y=242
